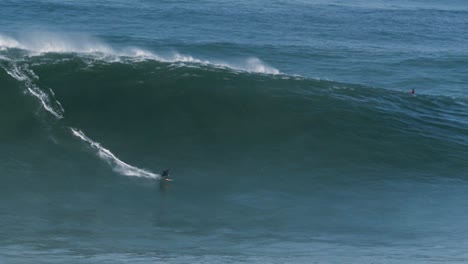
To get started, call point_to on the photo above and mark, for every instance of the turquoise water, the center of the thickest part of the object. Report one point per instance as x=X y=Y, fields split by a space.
x=288 y=126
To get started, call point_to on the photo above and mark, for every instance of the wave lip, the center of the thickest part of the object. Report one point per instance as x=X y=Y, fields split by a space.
x=38 y=43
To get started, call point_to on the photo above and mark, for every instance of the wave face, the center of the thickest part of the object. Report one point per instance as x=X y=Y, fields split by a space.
x=260 y=159
x=215 y=113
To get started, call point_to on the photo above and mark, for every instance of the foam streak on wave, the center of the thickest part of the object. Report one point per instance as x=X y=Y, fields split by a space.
x=53 y=106
x=117 y=164
x=20 y=75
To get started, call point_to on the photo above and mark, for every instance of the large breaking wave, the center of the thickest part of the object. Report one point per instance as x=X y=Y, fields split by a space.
x=195 y=107
x=39 y=43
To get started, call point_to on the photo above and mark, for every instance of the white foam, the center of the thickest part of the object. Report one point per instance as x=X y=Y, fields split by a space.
x=38 y=43
x=55 y=109
x=117 y=164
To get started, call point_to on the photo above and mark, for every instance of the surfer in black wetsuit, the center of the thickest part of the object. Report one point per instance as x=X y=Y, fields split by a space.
x=412 y=91
x=165 y=174
x=164 y=179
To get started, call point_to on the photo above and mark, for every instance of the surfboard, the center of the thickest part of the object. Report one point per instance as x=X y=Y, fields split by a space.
x=166 y=179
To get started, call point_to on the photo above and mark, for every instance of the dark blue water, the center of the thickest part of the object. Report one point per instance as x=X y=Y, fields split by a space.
x=288 y=126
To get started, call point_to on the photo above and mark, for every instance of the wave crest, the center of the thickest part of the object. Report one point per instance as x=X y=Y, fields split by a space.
x=38 y=43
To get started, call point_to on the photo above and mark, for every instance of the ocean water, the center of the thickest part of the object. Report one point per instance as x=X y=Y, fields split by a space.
x=288 y=127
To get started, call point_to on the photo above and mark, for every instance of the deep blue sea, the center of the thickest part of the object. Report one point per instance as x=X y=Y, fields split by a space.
x=288 y=126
